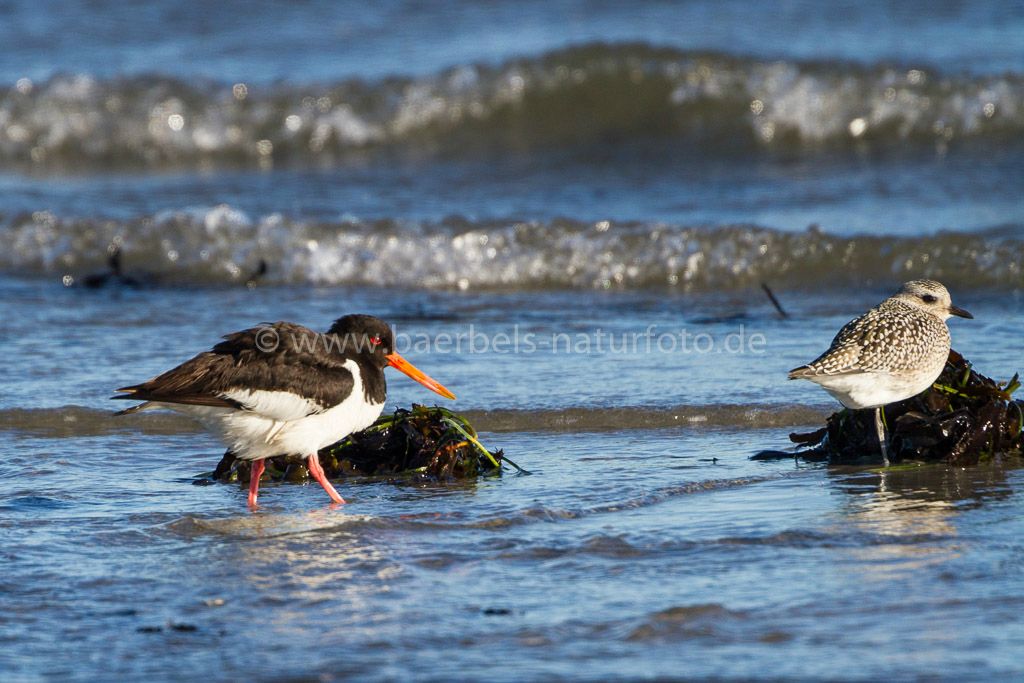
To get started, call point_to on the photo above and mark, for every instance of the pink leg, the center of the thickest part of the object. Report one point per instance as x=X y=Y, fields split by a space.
x=254 y=481
x=318 y=473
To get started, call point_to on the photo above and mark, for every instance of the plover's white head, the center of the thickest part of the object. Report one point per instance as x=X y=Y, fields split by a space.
x=932 y=297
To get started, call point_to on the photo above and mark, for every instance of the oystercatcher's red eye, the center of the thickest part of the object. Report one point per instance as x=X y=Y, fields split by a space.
x=376 y=340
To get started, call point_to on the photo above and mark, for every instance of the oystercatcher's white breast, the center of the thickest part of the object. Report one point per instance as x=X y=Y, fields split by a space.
x=284 y=423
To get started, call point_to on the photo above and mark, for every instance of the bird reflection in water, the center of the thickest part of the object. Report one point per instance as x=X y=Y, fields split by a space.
x=912 y=514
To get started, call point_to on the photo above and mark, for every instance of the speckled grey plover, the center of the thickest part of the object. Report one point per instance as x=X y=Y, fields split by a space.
x=283 y=389
x=891 y=353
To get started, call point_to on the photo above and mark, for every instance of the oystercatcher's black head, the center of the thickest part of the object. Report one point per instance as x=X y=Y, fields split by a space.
x=366 y=336
x=372 y=340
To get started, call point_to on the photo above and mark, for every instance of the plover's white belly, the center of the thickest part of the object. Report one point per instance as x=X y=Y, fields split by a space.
x=873 y=389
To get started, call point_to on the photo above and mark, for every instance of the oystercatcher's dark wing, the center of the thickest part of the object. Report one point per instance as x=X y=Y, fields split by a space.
x=283 y=370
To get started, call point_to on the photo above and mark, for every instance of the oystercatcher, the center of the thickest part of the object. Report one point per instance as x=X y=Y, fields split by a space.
x=282 y=389
x=891 y=353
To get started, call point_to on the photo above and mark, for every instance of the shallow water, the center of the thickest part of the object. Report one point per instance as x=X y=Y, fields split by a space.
x=568 y=225
x=645 y=543
x=621 y=556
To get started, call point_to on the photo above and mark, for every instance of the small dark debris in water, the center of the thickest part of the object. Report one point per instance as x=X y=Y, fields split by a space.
x=807 y=456
x=775 y=302
x=963 y=419
x=497 y=611
x=114 y=276
x=183 y=628
x=773 y=455
x=719 y=319
x=257 y=274
x=427 y=444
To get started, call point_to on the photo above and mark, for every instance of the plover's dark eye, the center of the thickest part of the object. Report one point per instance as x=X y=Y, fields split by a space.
x=928 y=298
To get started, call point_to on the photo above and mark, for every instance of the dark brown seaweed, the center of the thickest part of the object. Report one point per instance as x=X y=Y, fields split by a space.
x=963 y=419
x=432 y=444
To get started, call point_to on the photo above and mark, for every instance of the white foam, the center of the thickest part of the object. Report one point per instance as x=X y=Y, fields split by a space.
x=221 y=244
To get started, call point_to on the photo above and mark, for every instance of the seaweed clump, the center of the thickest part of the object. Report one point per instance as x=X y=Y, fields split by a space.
x=429 y=444
x=963 y=419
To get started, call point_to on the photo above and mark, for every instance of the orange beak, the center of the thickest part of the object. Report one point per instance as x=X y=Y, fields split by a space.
x=401 y=364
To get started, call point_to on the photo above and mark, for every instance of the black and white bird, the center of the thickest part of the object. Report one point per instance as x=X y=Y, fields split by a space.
x=284 y=389
x=891 y=353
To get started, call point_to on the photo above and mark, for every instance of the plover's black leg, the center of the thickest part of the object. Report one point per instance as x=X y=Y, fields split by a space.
x=883 y=438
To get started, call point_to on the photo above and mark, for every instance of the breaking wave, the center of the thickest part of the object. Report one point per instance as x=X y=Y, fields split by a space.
x=222 y=245
x=595 y=93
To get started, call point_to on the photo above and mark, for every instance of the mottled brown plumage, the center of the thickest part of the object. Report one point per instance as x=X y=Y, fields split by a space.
x=893 y=337
x=891 y=353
